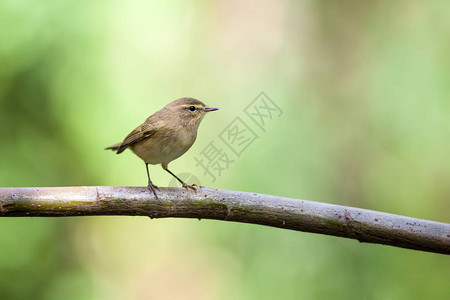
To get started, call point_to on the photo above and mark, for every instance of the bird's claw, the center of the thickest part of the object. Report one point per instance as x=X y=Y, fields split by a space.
x=152 y=188
x=192 y=187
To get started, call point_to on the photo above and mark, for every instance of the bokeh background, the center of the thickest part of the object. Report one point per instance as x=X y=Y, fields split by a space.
x=364 y=87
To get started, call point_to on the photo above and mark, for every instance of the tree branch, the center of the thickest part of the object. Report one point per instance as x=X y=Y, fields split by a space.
x=302 y=215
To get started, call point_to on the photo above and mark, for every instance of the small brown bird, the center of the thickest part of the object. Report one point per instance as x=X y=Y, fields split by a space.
x=166 y=135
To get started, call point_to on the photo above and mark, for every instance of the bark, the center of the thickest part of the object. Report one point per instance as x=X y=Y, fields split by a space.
x=206 y=203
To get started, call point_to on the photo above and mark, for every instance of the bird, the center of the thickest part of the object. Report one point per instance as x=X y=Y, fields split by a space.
x=166 y=135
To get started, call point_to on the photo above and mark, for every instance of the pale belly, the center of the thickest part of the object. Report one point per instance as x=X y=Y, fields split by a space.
x=158 y=150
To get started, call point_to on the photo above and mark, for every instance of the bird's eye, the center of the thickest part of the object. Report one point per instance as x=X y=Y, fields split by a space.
x=192 y=108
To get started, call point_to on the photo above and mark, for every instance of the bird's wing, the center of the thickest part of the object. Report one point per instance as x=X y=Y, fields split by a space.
x=142 y=132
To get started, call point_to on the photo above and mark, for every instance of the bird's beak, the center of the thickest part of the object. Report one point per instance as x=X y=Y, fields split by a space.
x=206 y=109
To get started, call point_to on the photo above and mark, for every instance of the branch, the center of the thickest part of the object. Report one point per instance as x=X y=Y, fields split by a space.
x=302 y=215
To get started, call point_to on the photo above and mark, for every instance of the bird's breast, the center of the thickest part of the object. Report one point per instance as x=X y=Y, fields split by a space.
x=165 y=145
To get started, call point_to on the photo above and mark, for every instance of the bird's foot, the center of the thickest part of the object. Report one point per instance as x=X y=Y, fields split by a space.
x=152 y=188
x=192 y=187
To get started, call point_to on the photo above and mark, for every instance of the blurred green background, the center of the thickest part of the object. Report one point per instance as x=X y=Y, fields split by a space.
x=365 y=92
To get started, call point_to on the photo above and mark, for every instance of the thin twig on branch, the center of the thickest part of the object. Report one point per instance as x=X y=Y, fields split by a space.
x=206 y=203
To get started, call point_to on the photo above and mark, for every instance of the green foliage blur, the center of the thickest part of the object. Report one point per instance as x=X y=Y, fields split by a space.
x=365 y=92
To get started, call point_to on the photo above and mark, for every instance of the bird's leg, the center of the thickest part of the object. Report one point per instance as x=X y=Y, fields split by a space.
x=151 y=186
x=185 y=185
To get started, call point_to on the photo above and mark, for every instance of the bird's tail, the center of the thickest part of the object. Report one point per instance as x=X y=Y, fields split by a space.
x=114 y=147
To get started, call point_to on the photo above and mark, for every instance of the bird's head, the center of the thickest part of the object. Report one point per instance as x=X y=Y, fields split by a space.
x=191 y=111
